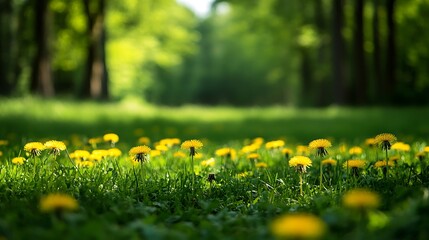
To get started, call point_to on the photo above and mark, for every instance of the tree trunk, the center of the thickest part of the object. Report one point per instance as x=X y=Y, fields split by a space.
x=360 y=69
x=380 y=92
x=41 y=81
x=6 y=55
x=391 y=51
x=338 y=53
x=95 y=84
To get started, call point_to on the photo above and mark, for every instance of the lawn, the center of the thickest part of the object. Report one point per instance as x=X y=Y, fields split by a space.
x=261 y=181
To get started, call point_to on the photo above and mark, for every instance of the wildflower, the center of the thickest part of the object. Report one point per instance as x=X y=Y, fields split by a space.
x=420 y=156
x=370 y=142
x=385 y=140
x=320 y=145
x=355 y=150
x=354 y=163
x=94 y=141
x=34 y=148
x=140 y=153
x=394 y=159
x=55 y=147
x=287 y=152
x=261 y=165
x=426 y=149
x=179 y=154
x=226 y=152
x=198 y=156
x=250 y=148
x=155 y=153
x=400 y=146
x=18 y=160
x=114 y=152
x=169 y=142
x=301 y=150
x=244 y=174
x=300 y=162
x=329 y=162
x=112 y=138
x=253 y=156
x=192 y=145
x=298 y=226
x=80 y=154
x=208 y=163
x=361 y=199
x=58 y=202
x=4 y=142
x=144 y=141
x=161 y=148
x=258 y=141
x=382 y=164
x=84 y=163
x=274 y=144
x=1 y=153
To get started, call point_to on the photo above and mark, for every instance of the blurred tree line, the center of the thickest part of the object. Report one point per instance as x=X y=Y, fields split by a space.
x=245 y=52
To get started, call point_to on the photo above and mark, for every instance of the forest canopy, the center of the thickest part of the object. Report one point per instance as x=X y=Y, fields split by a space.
x=300 y=53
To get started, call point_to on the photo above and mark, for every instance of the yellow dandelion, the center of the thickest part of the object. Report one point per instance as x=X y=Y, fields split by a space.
x=55 y=147
x=140 y=153
x=300 y=162
x=385 y=140
x=94 y=141
x=169 y=142
x=80 y=154
x=361 y=199
x=261 y=165
x=244 y=174
x=274 y=144
x=161 y=148
x=426 y=149
x=155 y=153
x=420 y=155
x=380 y=164
x=208 y=163
x=55 y=202
x=354 y=163
x=298 y=226
x=4 y=142
x=112 y=138
x=320 y=145
x=329 y=162
x=1 y=153
x=192 y=145
x=301 y=150
x=370 y=142
x=144 y=141
x=18 y=160
x=198 y=156
x=287 y=152
x=84 y=164
x=258 y=141
x=226 y=152
x=114 y=152
x=250 y=148
x=355 y=150
x=34 y=148
x=253 y=156
x=179 y=154
x=400 y=146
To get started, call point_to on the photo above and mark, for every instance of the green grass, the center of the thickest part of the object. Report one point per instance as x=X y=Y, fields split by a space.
x=162 y=199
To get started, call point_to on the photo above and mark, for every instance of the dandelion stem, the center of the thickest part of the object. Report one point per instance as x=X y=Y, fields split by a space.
x=321 y=175
x=387 y=165
x=300 y=184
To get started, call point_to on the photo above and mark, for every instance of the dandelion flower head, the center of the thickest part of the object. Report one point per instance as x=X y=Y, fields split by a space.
x=320 y=145
x=55 y=147
x=111 y=137
x=385 y=140
x=18 y=160
x=34 y=148
x=58 y=202
x=330 y=162
x=361 y=199
x=355 y=150
x=298 y=226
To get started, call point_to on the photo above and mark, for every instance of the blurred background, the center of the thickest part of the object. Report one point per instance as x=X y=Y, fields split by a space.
x=223 y=52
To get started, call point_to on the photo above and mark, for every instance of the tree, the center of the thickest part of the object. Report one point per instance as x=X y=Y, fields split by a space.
x=378 y=78
x=95 y=83
x=41 y=80
x=338 y=67
x=390 y=51
x=360 y=79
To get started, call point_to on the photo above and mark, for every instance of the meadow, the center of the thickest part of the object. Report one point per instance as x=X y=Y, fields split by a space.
x=251 y=173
